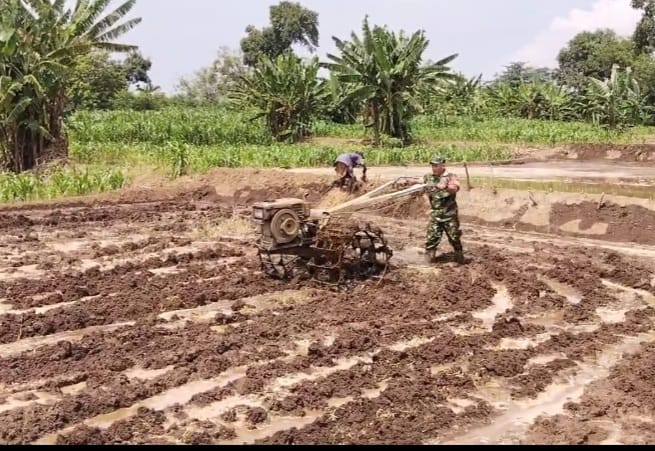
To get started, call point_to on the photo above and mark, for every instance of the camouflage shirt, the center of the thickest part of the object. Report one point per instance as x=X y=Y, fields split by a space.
x=443 y=203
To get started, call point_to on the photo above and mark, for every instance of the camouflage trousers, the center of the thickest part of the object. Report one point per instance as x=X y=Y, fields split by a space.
x=436 y=228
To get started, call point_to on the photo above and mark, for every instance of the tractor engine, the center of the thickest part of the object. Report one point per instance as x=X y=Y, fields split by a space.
x=283 y=224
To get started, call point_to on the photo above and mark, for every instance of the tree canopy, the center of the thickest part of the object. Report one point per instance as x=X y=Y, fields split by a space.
x=290 y=23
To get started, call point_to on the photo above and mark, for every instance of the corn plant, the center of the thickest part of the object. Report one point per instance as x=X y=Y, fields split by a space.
x=180 y=156
x=195 y=126
x=51 y=184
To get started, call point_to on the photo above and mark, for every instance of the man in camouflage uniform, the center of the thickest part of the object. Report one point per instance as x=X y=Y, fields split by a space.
x=442 y=191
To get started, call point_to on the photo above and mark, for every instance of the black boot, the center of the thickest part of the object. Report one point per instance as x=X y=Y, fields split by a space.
x=459 y=255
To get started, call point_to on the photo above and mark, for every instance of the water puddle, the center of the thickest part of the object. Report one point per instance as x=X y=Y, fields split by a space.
x=145 y=374
x=446 y=317
x=597 y=228
x=546 y=358
x=611 y=316
x=501 y=301
x=413 y=343
x=27 y=272
x=206 y=313
x=245 y=435
x=648 y=297
x=68 y=246
x=110 y=262
x=554 y=323
x=615 y=432
x=287 y=381
x=279 y=387
x=4 y=307
x=19 y=400
x=458 y=405
x=302 y=347
x=508 y=343
x=518 y=416
x=46 y=308
x=203 y=313
x=571 y=294
x=29 y=344
x=73 y=389
x=436 y=369
x=410 y=256
x=166 y=270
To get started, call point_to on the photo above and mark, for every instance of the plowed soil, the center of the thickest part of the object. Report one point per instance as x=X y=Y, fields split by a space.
x=148 y=320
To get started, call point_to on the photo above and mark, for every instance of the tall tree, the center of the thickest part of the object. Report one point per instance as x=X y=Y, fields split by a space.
x=40 y=41
x=517 y=73
x=213 y=83
x=644 y=35
x=136 y=68
x=290 y=23
x=594 y=53
x=95 y=81
x=389 y=75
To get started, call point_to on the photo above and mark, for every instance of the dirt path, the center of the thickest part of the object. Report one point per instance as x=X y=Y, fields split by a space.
x=555 y=170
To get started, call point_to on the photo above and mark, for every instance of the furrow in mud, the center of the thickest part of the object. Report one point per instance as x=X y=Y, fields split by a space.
x=190 y=348
x=138 y=300
x=67 y=287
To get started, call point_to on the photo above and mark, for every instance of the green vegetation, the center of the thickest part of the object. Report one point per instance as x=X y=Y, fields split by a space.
x=179 y=157
x=30 y=186
x=196 y=126
x=62 y=94
x=40 y=41
x=218 y=126
x=521 y=131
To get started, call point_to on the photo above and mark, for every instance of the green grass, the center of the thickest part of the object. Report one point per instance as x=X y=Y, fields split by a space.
x=201 y=158
x=498 y=130
x=643 y=192
x=334 y=130
x=521 y=131
x=214 y=126
x=59 y=182
x=196 y=126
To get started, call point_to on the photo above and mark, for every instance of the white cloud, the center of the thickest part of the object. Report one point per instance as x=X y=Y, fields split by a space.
x=614 y=14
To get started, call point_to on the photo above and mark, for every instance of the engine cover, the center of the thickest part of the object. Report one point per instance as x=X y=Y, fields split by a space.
x=281 y=223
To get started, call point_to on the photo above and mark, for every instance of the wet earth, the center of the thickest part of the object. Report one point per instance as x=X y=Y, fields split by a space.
x=152 y=323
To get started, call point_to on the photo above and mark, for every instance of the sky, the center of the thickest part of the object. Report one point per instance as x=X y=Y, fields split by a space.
x=487 y=34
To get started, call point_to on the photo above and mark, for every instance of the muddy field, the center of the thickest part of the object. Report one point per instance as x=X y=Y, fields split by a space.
x=150 y=322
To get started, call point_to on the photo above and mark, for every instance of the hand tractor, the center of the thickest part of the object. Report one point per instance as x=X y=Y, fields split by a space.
x=295 y=240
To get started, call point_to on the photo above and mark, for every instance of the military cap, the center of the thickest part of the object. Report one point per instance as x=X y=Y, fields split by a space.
x=437 y=160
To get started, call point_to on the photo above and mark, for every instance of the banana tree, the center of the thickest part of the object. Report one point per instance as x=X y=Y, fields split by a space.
x=388 y=75
x=458 y=97
x=39 y=41
x=617 y=101
x=285 y=91
x=341 y=108
x=531 y=100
